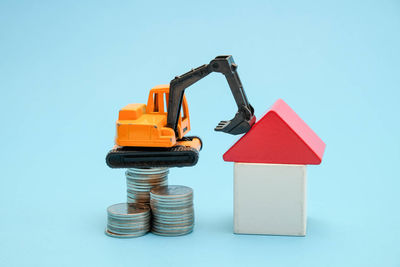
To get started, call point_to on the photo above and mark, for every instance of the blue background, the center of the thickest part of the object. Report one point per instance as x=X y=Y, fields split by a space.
x=67 y=67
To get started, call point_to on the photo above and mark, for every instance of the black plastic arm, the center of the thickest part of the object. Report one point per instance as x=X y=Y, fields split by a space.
x=177 y=89
x=243 y=119
x=226 y=66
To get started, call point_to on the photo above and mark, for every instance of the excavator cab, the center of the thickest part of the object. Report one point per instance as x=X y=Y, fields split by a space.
x=158 y=104
x=140 y=125
x=144 y=140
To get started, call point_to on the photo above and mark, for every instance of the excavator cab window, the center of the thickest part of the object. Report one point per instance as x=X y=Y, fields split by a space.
x=166 y=102
x=156 y=108
x=183 y=115
x=184 y=109
x=159 y=104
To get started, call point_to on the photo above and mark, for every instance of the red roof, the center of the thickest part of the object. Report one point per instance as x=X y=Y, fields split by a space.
x=280 y=137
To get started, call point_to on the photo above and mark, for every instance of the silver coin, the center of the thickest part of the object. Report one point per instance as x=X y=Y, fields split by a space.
x=121 y=231
x=173 y=220
x=171 y=191
x=147 y=171
x=172 y=226
x=170 y=197
x=123 y=221
x=172 y=201
x=126 y=209
x=156 y=210
x=129 y=223
x=125 y=235
x=171 y=233
x=183 y=208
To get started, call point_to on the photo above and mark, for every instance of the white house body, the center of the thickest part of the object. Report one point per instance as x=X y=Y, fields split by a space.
x=270 y=199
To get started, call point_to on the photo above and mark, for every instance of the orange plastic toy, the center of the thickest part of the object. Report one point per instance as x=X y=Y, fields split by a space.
x=154 y=135
x=139 y=125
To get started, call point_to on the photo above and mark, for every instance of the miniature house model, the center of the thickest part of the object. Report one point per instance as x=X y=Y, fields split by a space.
x=270 y=173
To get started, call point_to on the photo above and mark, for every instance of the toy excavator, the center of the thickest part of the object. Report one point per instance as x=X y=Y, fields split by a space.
x=153 y=135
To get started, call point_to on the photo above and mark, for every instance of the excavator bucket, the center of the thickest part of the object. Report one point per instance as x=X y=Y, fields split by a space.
x=241 y=123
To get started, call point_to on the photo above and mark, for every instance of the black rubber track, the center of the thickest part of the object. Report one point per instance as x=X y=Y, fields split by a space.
x=147 y=157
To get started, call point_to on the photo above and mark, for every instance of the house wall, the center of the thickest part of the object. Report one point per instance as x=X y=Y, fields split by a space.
x=270 y=199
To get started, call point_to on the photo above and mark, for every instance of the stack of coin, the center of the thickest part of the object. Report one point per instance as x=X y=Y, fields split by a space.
x=140 y=181
x=172 y=209
x=128 y=220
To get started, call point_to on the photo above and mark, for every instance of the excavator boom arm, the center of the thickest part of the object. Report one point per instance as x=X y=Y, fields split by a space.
x=243 y=119
x=177 y=89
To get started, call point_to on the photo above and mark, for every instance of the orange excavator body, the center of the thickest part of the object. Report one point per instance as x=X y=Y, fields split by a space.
x=141 y=125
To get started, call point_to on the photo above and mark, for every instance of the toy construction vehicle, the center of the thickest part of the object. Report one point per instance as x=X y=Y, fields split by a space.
x=153 y=135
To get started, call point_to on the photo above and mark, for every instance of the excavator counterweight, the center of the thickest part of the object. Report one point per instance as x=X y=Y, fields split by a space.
x=153 y=135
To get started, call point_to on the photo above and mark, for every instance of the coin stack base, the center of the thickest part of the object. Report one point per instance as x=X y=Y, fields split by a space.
x=140 y=181
x=127 y=220
x=172 y=209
